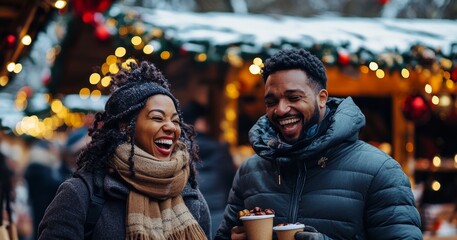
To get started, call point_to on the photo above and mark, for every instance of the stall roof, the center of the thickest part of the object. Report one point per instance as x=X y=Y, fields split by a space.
x=260 y=32
x=391 y=42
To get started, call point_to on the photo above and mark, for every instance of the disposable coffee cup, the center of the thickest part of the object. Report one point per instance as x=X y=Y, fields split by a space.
x=287 y=232
x=258 y=227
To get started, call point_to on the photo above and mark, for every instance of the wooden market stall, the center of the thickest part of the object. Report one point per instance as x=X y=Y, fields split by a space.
x=401 y=72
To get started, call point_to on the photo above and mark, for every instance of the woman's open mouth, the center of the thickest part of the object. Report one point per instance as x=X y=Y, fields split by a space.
x=164 y=145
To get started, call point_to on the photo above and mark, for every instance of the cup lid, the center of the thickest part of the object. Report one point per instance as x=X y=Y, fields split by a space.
x=288 y=227
x=255 y=217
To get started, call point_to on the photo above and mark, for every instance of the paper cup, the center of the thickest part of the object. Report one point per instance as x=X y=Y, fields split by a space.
x=259 y=227
x=287 y=232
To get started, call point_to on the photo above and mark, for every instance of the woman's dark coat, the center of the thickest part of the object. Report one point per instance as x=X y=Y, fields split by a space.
x=65 y=216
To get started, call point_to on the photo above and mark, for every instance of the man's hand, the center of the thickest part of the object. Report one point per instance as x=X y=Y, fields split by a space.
x=238 y=233
x=310 y=233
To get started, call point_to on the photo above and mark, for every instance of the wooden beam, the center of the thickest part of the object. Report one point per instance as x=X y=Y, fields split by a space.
x=8 y=12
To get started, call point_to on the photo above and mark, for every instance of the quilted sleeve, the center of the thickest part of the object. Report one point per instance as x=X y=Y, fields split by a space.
x=390 y=211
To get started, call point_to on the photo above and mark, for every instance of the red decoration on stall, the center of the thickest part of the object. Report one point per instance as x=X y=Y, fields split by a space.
x=10 y=40
x=46 y=77
x=344 y=58
x=416 y=109
x=454 y=75
x=91 y=6
x=383 y=2
x=27 y=90
x=87 y=9
x=101 y=33
x=182 y=50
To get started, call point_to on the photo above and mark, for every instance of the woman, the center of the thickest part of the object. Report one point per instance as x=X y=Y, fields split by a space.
x=145 y=153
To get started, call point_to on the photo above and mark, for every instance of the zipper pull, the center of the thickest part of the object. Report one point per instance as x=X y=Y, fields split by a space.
x=322 y=162
x=278 y=172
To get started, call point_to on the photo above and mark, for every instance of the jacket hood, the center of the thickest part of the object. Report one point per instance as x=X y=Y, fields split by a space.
x=342 y=123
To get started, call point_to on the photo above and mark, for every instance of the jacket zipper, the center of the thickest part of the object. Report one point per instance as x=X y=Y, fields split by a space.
x=299 y=185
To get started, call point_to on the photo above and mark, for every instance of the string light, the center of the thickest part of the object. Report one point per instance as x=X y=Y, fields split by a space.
x=26 y=40
x=60 y=4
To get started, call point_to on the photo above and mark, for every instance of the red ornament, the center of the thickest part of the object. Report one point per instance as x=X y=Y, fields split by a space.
x=101 y=33
x=10 y=40
x=344 y=58
x=88 y=17
x=93 y=6
x=416 y=109
x=46 y=77
x=383 y=2
x=454 y=75
x=182 y=50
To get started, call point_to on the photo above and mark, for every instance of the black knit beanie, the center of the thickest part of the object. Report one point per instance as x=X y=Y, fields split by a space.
x=133 y=94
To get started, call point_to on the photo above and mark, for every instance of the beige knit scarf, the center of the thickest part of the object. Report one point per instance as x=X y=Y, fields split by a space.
x=155 y=208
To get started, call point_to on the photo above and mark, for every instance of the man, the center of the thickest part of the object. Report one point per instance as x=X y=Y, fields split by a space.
x=310 y=167
x=215 y=168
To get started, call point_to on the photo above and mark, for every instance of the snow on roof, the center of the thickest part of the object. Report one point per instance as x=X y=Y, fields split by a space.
x=374 y=34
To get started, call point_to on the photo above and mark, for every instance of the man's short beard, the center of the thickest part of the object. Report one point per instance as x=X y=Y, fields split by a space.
x=314 y=120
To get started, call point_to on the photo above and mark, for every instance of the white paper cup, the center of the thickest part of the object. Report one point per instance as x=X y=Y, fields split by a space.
x=258 y=227
x=287 y=232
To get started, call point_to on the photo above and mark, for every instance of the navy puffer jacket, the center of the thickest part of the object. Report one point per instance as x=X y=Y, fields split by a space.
x=342 y=186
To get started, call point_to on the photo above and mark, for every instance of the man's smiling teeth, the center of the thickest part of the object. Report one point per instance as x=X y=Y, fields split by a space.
x=288 y=121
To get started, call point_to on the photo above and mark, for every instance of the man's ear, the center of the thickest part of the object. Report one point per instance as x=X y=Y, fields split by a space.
x=322 y=98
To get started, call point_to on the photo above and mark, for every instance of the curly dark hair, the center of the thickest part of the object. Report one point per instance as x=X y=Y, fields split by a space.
x=130 y=89
x=297 y=59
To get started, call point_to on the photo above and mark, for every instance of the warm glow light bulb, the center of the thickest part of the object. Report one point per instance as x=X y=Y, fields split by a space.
x=165 y=55
x=364 y=69
x=95 y=95
x=3 y=80
x=373 y=66
x=17 y=68
x=405 y=73
x=113 y=68
x=148 y=49
x=201 y=57
x=230 y=114
x=60 y=4
x=136 y=40
x=56 y=106
x=436 y=161
x=94 y=78
x=435 y=100
x=254 y=69
x=436 y=186
x=120 y=52
x=428 y=88
x=84 y=93
x=106 y=81
x=10 y=66
x=449 y=84
x=257 y=61
x=26 y=40
x=445 y=100
x=380 y=73
x=111 y=59
x=232 y=91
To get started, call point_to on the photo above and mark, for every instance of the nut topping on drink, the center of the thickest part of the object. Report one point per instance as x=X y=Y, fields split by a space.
x=287 y=224
x=255 y=212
